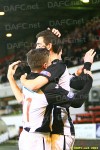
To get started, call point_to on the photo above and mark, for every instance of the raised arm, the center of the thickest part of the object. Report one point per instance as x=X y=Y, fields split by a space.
x=77 y=81
x=15 y=88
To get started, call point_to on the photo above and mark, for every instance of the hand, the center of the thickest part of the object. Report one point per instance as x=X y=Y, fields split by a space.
x=12 y=69
x=89 y=56
x=55 y=31
x=23 y=78
x=88 y=72
x=79 y=71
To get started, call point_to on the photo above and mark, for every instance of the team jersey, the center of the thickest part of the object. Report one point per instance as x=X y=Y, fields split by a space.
x=37 y=106
x=62 y=122
x=34 y=108
x=58 y=72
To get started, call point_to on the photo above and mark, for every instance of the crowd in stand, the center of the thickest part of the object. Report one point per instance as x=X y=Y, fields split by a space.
x=76 y=43
x=79 y=41
x=20 y=55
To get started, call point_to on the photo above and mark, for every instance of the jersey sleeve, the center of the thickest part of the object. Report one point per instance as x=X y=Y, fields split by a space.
x=78 y=82
x=79 y=97
x=57 y=96
x=60 y=97
x=54 y=71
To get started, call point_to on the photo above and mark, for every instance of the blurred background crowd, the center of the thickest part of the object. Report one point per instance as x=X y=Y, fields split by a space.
x=75 y=44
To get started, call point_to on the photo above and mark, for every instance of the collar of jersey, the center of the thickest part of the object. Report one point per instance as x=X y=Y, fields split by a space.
x=55 y=61
x=32 y=91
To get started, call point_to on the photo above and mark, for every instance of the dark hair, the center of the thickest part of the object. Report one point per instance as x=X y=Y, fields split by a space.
x=50 y=37
x=22 y=69
x=37 y=57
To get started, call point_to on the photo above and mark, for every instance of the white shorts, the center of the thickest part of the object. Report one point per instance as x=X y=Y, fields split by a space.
x=34 y=141
x=62 y=142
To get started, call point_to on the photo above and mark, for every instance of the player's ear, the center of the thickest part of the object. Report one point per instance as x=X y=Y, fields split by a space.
x=45 y=65
x=49 y=46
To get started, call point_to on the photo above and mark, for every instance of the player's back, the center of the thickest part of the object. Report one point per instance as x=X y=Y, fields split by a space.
x=34 y=107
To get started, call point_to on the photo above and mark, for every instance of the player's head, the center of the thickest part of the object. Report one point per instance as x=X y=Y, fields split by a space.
x=49 y=40
x=38 y=58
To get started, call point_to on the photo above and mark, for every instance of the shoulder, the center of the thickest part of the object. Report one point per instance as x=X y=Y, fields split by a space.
x=57 y=64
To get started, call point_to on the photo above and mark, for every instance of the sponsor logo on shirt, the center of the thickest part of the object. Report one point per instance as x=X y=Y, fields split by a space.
x=70 y=94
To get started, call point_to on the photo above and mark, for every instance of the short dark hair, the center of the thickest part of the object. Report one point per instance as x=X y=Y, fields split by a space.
x=37 y=57
x=50 y=37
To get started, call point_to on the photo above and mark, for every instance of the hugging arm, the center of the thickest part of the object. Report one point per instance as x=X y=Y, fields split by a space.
x=61 y=97
x=79 y=98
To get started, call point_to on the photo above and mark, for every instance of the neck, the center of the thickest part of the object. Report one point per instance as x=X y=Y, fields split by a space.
x=36 y=70
x=53 y=56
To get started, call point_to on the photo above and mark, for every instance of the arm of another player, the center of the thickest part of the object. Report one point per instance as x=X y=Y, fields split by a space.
x=16 y=90
x=33 y=84
x=88 y=60
x=77 y=81
x=80 y=97
x=50 y=74
x=60 y=97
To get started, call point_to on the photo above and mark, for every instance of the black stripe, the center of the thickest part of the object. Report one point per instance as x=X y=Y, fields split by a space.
x=45 y=127
x=57 y=127
x=72 y=130
x=43 y=144
x=64 y=146
x=27 y=129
